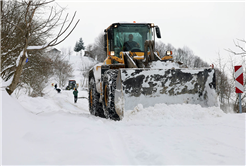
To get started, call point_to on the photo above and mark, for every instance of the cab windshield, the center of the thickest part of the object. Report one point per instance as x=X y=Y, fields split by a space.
x=131 y=37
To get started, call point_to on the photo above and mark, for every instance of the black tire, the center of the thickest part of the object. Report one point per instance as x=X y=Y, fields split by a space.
x=95 y=107
x=109 y=86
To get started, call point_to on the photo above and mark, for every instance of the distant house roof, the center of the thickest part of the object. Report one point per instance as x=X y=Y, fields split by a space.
x=54 y=50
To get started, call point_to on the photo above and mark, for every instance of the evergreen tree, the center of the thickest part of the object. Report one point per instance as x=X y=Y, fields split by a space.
x=79 y=45
x=76 y=48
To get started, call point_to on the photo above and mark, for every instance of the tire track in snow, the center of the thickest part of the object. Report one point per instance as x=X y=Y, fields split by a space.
x=130 y=146
x=121 y=153
x=140 y=146
x=66 y=105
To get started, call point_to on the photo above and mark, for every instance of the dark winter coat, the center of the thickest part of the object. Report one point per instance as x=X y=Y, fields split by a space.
x=129 y=45
x=75 y=93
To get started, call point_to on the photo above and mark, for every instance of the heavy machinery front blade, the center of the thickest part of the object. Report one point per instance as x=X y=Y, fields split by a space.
x=171 y=86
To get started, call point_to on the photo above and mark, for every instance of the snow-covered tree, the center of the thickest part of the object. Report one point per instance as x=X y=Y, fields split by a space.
x=23 y=23
x=79 y=46
x=76 y=47
x=36 y=73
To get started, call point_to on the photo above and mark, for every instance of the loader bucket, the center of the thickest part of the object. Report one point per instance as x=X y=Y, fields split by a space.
x=169 y=86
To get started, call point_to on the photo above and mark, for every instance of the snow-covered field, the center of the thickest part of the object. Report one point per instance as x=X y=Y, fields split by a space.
x=53 y=130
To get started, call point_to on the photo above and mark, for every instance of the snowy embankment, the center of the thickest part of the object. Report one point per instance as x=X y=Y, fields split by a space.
x=53 y=130
x=80 y=65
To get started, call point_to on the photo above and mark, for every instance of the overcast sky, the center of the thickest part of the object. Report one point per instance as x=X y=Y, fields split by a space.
x=205 y=27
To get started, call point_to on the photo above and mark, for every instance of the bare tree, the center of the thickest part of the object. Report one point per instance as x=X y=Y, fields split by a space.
x=242 y=54
x=62 y=70
x=161 y=48
x=61 y=67
x=1 y=7
x=181 y=56
x=241 y=51
x=25 y=17
x=36 y=74
x=89 y=51
x=98 y=48
x=11 y=37
x=223 y=85
x=42 y=67
x=65 y=53
x=187 y=57
x=69 y=52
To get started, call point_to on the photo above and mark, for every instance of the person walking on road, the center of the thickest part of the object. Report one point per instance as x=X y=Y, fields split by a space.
x=75 y=94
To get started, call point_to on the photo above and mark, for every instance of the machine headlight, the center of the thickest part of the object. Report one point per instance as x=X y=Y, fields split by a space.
x=169 y=52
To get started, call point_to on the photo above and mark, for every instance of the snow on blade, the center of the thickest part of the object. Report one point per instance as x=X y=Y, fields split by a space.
x=164 y=65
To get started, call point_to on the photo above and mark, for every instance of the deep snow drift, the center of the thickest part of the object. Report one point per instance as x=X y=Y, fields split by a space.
x=53 y=130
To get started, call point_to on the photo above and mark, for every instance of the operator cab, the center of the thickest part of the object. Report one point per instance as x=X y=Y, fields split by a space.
x=128 y=37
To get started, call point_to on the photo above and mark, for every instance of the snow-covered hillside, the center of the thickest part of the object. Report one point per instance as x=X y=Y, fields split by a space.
x=53 y=130
x=80 y=65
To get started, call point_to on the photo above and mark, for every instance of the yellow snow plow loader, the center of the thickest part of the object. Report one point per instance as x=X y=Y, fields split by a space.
x=134 y=73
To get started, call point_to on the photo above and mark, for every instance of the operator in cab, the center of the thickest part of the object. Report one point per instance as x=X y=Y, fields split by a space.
x=128 y=45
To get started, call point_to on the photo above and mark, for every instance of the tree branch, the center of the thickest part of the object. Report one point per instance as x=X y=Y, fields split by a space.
x=240 y=47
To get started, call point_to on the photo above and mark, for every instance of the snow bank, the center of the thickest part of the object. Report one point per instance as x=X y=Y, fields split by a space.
x=5 y=84
x=64 y=133
x=53 y=102
x=176 y=113
x=15 y=122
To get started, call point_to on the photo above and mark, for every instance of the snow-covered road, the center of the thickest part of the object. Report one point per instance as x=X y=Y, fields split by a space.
x=54 y=130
